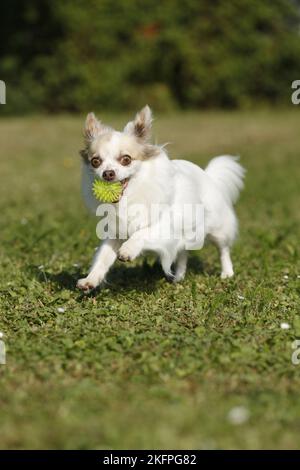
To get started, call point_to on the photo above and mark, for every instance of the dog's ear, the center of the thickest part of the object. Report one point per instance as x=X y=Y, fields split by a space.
x=141 y=126
x=93 y=128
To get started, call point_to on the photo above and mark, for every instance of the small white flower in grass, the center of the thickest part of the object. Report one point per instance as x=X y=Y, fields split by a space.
x=298 y=277
x=61 y=310
x=285 y=276
x=284 y=326
x=241 y=297
x=1 y=334
x=238 y=415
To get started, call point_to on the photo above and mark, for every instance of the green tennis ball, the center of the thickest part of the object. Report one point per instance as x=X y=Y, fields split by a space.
x=107 y=192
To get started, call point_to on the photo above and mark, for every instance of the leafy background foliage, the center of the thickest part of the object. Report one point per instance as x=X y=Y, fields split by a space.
x=75 y=55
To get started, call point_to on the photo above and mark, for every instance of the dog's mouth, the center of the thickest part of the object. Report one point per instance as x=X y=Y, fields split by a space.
x=124 y=184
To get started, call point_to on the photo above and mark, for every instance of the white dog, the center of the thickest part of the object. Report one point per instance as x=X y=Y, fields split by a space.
x=149 y=178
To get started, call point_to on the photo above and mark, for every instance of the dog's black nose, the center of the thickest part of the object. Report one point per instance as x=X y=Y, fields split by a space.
x=109 y=175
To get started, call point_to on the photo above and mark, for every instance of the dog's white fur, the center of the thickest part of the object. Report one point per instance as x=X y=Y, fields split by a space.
x=155 y=179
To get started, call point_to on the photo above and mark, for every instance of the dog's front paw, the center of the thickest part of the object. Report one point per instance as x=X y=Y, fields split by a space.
x=227 y=274
x=124 y=256
x=86 y=285
x=127 y=253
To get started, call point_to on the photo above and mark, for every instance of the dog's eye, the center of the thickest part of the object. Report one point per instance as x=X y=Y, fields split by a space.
x=125 y=160
x=96 y=162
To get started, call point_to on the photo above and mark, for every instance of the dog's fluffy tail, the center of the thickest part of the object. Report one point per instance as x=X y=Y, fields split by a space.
x=228 y=176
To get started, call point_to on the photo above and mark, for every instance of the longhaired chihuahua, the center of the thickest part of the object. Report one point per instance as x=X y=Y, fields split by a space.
x=150 y=179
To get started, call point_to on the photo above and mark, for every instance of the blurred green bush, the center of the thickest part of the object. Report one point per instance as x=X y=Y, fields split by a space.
x=77 y=55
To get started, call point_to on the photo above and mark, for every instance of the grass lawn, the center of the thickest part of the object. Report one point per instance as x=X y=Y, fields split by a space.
x=143 y=363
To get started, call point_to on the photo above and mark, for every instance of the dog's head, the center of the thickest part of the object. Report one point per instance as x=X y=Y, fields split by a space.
x=117 y=156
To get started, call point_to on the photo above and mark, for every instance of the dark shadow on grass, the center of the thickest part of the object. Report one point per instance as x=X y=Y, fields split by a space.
x=195 y=265
x=64 y=279
x=143 y=277
x=125 y=278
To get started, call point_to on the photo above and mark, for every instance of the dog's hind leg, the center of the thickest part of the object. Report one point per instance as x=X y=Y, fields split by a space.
x=226 y=263
x=166 y=264
x=223 y=240
x=180 y=266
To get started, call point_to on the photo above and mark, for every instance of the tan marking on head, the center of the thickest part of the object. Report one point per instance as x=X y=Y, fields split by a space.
x=90 y=150
x=137 y=150
x=132 y=142
x=84 y=153
x=150 y=151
